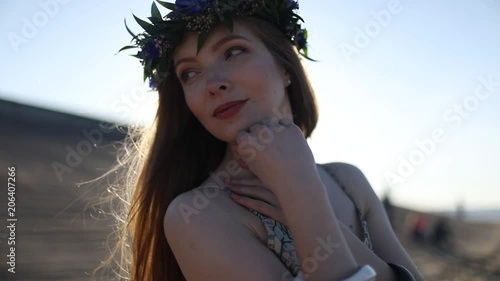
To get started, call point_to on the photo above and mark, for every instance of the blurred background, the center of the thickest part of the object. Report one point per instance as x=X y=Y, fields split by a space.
x=408 y=91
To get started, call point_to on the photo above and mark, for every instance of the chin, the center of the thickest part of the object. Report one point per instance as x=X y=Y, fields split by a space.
x=226 y=135
x=231 y=128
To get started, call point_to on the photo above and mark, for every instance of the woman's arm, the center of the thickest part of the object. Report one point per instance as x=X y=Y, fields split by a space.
x=254 y=195
x=327 y=250
x=318 y=239
x=286 y=166
x=385 y=242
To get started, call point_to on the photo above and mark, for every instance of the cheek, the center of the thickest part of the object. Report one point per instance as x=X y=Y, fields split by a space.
x=259 y=75
x=194 y=100
x=264 y=81
x=195 y=104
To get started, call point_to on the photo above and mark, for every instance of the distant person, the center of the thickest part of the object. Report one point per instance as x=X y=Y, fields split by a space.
x=235 y=109
x=419 y=228
x=440 y=234
x=460 y=210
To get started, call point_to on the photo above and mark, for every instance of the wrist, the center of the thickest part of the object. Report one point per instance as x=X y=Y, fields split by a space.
x=305 y=180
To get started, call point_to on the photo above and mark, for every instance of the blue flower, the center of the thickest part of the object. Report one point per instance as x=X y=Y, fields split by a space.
x=152 y=50
x=152 y=83
x=301 y=39
x=293 y=3
x=149 y=51
x=193 y=7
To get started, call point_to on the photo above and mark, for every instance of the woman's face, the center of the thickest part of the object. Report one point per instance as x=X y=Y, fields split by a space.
x=231 y=67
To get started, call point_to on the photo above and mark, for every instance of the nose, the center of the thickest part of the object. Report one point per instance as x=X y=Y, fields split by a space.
x=217 y=88
x=218 y=83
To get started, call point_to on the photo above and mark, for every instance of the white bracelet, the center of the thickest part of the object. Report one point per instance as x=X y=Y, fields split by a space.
x=364 y=273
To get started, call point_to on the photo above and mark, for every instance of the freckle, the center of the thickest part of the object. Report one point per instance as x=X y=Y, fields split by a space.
x=350 y=225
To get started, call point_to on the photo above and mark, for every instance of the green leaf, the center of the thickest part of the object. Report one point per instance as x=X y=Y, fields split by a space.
x=128 y=29
x=148 y=69
x=170 y=15
x=145 y=25
x=155 y=21
x=154 y=11
x=201 y=40
x=304 y=54
x=170 y=6
x=127 y=47
x=301 y=19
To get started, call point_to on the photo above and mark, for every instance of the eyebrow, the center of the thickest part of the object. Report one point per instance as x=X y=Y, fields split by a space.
x=215 y=47
x=226 y=39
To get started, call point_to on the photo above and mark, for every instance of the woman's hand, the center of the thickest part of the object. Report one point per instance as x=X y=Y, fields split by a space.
x=276 y=151
x=252 y=193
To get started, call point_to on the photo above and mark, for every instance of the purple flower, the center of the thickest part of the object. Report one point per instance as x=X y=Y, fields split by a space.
x=149 y=51
x=193 y=7
x=301 y=39
x=152 y=83
x=293 y=3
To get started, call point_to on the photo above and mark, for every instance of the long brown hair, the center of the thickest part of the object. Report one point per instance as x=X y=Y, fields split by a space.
x=177 y=154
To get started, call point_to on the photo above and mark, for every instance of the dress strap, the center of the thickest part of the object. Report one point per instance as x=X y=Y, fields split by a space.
x=364 y=224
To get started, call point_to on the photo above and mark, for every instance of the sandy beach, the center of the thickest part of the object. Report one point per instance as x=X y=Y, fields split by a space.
x=59 y=236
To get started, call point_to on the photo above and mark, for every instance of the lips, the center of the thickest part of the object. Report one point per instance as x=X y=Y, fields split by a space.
x=227 y=106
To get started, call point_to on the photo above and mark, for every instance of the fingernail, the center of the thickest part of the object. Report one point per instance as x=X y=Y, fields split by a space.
x=286 y=121
x=235 y=196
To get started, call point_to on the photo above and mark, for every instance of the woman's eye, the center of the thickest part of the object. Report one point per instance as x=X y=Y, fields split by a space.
x=234 y=51
x=186 y=75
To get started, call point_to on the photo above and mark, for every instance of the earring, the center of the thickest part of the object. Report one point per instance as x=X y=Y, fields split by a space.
x=288 y=82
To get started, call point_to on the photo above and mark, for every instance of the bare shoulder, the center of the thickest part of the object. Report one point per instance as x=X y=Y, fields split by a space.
x=210 y=243
x=199 y=202
x=355 y=182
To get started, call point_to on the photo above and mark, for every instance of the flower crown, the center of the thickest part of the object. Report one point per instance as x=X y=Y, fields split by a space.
x=163 y=34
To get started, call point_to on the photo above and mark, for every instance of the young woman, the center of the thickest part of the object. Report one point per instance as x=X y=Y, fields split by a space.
x=225 y=176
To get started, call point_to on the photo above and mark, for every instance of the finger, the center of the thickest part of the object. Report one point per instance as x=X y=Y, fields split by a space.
x=257 y=128
x=254 y=192
x=285 y=121
x=259 y=206
x=242 y=137
x=275 y=125
x=236 y=152
x=256 y=184
x=274 y=121
x=267 y=121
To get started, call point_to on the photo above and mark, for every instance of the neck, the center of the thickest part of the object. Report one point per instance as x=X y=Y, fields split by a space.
x=231 y=166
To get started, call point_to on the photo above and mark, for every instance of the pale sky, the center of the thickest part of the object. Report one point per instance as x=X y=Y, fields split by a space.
x=413 y=84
